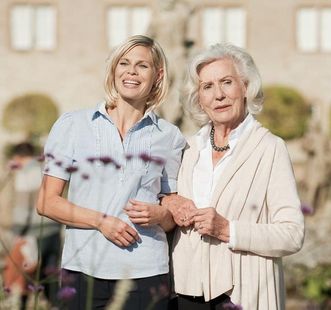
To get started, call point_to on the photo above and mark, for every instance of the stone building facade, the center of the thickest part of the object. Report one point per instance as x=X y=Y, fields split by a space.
x=59 y=47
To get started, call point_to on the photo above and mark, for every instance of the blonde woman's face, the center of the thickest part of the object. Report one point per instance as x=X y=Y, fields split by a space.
x=222 y=93
x=135 y=75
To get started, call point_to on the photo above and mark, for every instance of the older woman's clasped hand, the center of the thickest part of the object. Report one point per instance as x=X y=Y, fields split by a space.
x=205 y=220
x=182 y=209
x=208 y=222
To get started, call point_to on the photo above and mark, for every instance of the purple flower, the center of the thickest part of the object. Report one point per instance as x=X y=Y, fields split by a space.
x=145 y=157
x=13 y=165
x=35 y=288
x=71 y=169
x=106 y=160
x=51 y=270
x=7 y=290
x=91 y=159
x=117 y=166
x=160 y=292
x=128 y=156
x=49 y=156
x=40 y=158
x=66 y=293
x=58 y=163
x=67 y=278
x=85 y=176
x=231 y=306
x=158 y=160
x=306 y=209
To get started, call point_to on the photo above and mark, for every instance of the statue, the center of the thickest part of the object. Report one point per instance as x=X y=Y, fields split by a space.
x=169 y=26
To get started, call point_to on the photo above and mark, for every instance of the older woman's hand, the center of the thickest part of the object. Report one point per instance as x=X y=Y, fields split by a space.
x=181 y=208
x=208 y=222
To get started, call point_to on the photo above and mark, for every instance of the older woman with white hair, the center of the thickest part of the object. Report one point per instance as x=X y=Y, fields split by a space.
x=237 y=207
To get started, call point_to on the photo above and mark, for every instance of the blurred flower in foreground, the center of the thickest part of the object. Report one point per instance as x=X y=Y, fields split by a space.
x=66 y=278
x=51 y=271
x=157 y=160
x=306 y=209
x=7 y=290
x=66 y=293
x=231 y=306
x=71 y=169
x=35 y=288
x=13 y=165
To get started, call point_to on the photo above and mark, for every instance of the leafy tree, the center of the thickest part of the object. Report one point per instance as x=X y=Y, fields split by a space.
x=286 y=113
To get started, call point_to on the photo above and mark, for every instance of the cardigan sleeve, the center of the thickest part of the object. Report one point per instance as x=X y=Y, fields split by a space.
x=283 y=233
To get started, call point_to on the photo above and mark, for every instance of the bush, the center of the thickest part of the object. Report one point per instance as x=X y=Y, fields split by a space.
x=310 y=284
x=32 y=114
x=286 y=113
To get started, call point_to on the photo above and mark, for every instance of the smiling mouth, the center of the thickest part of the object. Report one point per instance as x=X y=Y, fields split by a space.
x=131 y=83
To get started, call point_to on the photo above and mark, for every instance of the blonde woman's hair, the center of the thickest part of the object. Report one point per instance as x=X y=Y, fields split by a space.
x=245 y=67
x=159 y=89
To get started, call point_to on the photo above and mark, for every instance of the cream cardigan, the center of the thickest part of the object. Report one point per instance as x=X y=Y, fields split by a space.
x=258 y=192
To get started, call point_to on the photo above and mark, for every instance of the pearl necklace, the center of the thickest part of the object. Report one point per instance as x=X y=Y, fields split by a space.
x=212 y=142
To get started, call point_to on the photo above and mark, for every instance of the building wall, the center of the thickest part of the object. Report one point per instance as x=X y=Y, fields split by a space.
x=72 y=74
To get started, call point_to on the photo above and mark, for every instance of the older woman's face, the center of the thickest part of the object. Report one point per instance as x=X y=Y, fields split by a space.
x=222 y=93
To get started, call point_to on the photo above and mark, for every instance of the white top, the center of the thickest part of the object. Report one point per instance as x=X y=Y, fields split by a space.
x=205 y=176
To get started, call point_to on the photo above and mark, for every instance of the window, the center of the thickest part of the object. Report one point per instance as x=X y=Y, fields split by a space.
x=313 y=29
x=219 y=25
x=33 y=27
x=123 y=21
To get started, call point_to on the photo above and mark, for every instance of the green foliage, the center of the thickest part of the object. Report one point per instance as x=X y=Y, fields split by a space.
x=285 y=112
x=313 y=284
x=317 y=285
x=32 y=114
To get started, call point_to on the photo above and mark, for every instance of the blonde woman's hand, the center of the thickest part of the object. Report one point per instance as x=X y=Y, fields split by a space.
x=117 y=231
x=145 y=214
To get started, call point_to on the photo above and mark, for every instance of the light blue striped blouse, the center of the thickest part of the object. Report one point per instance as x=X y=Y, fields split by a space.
x=104 y=172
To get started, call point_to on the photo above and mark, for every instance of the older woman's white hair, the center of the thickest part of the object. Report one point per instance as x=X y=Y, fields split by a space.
x=245 y=68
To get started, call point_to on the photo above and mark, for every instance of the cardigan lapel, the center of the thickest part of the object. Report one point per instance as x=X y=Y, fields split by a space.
x=191 y=157
x=245 y=147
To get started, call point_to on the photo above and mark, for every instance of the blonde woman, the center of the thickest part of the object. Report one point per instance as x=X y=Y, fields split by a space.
x=123 y=152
